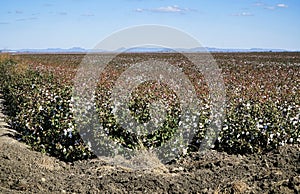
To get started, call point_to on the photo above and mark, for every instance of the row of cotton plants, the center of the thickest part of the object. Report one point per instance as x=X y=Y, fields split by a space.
x=39 y=108
x=261 y=113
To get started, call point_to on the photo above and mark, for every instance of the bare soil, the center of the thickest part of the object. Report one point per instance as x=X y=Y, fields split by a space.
x=25 y=171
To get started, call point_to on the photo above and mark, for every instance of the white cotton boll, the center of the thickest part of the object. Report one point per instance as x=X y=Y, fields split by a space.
x=194 y=118
x=114 y=109
x=201 y=125
x=248 y=105
x=281 y=143
x=259 y=126
x=295 y=122
x=195 y=125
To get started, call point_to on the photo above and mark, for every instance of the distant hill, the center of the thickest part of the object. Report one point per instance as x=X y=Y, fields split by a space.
x=148 y=50
x=140 y=50
x=245 y=50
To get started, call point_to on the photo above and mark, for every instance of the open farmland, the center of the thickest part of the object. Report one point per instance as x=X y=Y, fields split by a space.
x=257 y=149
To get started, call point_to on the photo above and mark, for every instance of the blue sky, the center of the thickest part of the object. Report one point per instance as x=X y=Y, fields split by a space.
x=214 y=23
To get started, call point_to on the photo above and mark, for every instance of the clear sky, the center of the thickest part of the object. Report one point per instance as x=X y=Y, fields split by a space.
x=214 y=23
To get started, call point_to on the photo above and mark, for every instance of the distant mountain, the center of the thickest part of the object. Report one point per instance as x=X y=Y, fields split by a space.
x=49 y=50
x=244 y=50
x=148 y=50
x=140 y=50
x=197 y=49
x=266 y=50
